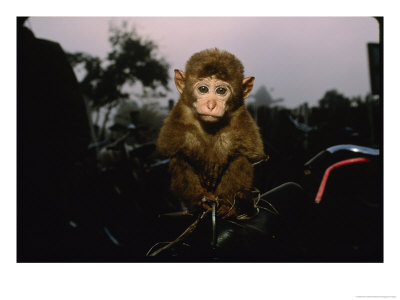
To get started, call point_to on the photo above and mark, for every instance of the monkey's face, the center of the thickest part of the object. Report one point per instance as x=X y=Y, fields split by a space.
x=211 y=96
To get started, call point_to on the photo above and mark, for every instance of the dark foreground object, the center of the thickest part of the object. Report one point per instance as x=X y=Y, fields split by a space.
x=266 y=237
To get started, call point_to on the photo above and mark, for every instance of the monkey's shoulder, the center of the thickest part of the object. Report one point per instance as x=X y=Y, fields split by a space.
x=179 y=119
x=246 y=136
x=243 y=123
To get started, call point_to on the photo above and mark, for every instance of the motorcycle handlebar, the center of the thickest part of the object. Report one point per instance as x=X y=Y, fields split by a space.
x=325 y=154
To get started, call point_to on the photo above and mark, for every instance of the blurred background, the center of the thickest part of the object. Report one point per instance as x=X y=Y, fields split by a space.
x=93 y=92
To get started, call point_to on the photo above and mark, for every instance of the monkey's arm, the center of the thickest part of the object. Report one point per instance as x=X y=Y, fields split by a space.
x=179 y=136
x=237 y=177
x=185 y=183
x=247 y=138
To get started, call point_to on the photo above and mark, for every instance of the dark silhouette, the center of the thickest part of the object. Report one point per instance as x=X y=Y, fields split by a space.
x=53 y=136
x=263 y=98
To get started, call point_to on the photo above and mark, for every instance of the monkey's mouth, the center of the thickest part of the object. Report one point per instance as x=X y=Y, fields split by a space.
x=209 y=118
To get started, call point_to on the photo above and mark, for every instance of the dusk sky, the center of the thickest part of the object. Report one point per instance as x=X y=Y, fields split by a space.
x=296 y=58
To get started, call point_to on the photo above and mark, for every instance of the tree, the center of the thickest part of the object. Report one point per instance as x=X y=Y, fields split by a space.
x=334 y=101
x=131 y=60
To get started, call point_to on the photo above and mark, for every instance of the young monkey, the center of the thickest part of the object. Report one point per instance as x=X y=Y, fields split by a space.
x=210 y=136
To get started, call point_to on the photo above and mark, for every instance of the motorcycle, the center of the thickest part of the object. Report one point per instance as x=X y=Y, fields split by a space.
x=334 y=213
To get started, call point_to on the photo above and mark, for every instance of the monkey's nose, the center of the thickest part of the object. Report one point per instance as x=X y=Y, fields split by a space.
x=211 y=104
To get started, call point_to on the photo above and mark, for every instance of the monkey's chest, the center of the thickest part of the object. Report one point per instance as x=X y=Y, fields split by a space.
x=221 y=144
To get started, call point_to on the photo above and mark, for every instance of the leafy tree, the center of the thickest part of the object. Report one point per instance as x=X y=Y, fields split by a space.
x=333 y=110
x=334 y=101
x=131 y=60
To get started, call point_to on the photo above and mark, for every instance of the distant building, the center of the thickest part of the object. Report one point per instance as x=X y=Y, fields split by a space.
x=263 y=98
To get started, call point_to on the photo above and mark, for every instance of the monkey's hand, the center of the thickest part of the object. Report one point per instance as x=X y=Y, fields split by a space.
x=207 y=199
x=225 y=208
x=243 y=206
x=246 y=201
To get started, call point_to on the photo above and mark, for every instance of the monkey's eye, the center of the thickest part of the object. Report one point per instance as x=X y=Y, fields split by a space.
x=202 y=89
x=221 y=90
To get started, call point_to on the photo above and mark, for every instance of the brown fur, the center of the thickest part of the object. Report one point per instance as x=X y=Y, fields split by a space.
x=200 y=151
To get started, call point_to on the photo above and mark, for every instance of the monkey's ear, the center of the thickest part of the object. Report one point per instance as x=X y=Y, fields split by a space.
x=248 y=84
x=179 y=80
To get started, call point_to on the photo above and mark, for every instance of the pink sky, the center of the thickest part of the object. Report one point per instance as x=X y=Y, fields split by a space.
x=296 y=58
